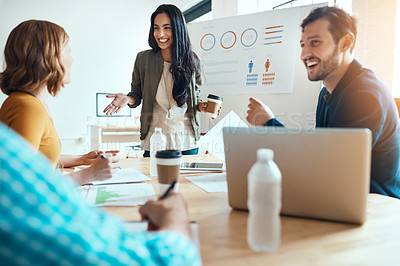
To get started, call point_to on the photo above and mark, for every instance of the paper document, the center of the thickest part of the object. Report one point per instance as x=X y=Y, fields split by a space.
x=213 y=141
x=124 y=175
x=83 y=191
x=210 y=183
x=119 y=194
x=142 y=226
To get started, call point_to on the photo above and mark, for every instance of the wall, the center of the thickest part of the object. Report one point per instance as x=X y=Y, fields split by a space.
x=375 y=44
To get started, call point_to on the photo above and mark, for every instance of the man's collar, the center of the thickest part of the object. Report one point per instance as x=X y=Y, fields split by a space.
x=351 y=73
x=326 y=96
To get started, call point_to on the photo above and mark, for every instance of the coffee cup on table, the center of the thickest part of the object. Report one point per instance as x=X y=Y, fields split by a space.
x=168 y=168
x=214 y=102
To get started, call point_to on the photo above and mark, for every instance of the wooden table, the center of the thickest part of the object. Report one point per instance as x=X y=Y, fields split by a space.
x=222 y=230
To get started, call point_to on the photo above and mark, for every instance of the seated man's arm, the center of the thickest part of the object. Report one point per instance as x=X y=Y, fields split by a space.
x=361 y=110
x=273 y=123
x=164 y=214
x=260 y=114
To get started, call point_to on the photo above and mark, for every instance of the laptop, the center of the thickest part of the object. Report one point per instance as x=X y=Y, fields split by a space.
x=325 y=172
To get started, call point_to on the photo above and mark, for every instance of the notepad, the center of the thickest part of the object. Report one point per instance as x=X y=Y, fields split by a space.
x=210 y=183
x=124 y=175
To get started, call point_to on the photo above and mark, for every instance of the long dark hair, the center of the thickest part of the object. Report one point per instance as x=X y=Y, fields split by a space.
x=184 y=60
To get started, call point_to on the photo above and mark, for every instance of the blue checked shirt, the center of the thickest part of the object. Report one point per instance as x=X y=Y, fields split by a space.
x=43 y=221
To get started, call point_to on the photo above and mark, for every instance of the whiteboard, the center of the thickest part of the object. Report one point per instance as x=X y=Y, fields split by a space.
x=249 y=54
x=294 y=110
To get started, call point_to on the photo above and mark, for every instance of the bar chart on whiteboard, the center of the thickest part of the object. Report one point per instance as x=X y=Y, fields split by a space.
x=249 y=54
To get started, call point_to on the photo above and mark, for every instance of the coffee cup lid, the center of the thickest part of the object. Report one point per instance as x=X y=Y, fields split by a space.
x=215 y=97
x=169 y=154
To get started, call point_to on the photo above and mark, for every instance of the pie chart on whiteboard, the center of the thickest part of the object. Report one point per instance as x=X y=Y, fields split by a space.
x=207 y=42
x=228 y=39
x=249 y=37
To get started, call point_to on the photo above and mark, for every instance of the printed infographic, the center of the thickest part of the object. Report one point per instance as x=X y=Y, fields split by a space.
x=250 y=54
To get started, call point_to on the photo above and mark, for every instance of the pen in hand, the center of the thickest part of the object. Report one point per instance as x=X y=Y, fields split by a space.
x=171 y=187
x=102 y=157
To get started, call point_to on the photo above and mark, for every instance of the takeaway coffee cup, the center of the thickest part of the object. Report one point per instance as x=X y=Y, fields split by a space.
x=168 y=167
x=214 y=102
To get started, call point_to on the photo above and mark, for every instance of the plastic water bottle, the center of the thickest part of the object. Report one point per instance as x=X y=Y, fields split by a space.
x=264 y=203
x=157 y=143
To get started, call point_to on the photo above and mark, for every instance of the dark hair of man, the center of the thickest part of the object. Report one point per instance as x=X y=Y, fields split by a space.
x=32 y=58
x=184 y=60
x=340 y=22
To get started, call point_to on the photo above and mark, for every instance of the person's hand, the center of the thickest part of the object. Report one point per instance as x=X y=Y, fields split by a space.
x=90 y=157
x=102 y=168
x=203 y=108
x=167 y=214
x=258 y=113
x=120 y=101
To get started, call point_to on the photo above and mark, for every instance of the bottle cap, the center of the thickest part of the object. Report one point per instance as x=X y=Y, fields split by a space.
x=265 y=154
x=157 y=129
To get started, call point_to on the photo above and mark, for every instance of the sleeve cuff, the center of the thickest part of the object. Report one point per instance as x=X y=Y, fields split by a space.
x=273 y=123
x=137 y=102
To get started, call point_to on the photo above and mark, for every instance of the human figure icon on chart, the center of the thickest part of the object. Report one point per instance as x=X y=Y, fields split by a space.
x=251 y=64
x=267 y=64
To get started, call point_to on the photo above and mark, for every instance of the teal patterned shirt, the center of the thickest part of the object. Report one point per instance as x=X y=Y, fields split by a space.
x=43 y=220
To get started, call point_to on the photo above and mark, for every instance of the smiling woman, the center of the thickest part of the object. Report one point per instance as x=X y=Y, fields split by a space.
x=163 y=35
x=167 y=79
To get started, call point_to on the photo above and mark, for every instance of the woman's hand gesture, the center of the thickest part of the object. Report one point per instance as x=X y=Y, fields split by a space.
x=120 y=101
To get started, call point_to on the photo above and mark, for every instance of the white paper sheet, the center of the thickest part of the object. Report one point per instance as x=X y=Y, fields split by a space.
x=210 y=183
x=120 y=194
x=83 y=191
x=124 y=175
x=213 y=141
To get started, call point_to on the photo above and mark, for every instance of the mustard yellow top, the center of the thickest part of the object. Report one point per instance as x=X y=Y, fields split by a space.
x=27 y=116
